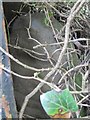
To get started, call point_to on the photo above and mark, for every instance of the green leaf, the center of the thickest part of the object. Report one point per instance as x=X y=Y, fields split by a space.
x=53 y=102
x=46 y=21
x=78 y=81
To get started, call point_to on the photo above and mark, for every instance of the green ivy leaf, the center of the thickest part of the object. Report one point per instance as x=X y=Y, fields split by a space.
x=53 y=102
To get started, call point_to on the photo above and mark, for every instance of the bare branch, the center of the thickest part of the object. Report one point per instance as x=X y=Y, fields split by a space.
x=72 y=69
x=51 y=85
x=67 y=30
x=22 y=64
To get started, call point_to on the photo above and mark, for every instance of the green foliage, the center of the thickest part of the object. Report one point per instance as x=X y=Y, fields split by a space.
x=78 y=81
x=46 y=21
x=53 y=102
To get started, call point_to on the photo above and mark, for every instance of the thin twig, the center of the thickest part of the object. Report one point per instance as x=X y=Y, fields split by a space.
x=60 y=43
x=30 y=53
x=51 y=85
x=72 y=69
x=60 y=14
x=83 y=99
x=22 y=64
